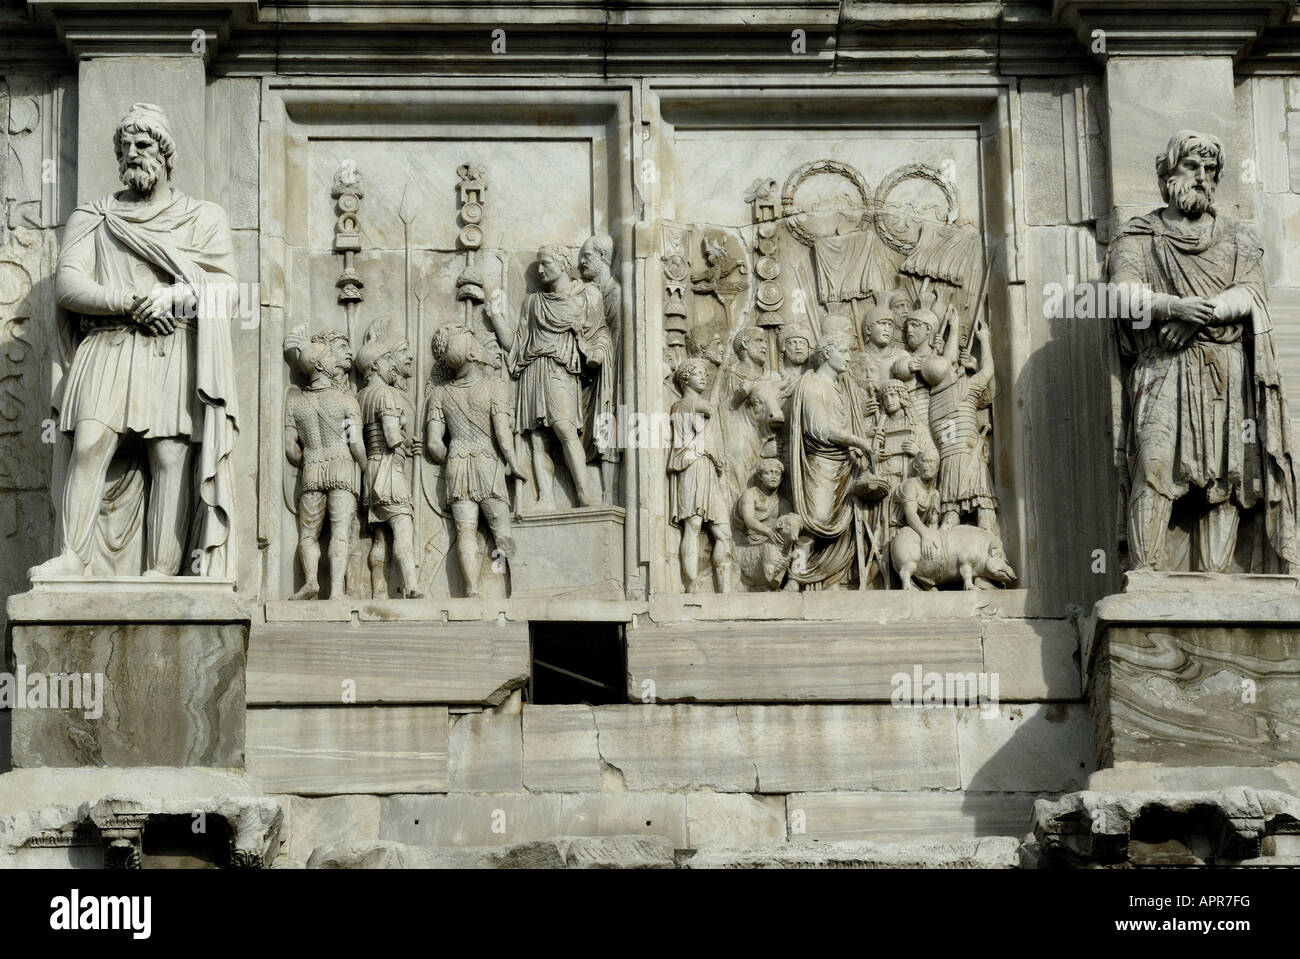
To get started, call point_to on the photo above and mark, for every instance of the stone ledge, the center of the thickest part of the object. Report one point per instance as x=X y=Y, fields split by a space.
x=564 y=852
x=1284 y=778
x=131 y=599
x=994 y=852
x=1193 y=599
x=650 y=852
x=26 y=789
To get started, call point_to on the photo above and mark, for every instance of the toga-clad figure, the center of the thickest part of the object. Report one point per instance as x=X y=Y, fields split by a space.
x=827 y=435
x=1207 y=417
x=560 y=335
x=147 y=276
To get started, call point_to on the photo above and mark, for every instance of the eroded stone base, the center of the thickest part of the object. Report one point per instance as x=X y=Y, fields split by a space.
x=138 y=818
x=1225 y=827
x=1197 y=670
x=155 y=676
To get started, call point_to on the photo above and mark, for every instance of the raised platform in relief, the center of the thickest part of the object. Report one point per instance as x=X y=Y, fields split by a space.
x=1196 y=670
x=158 y=664
x=566 y=554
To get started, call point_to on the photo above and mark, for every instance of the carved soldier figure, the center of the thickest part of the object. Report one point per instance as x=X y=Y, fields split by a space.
x=1200 y=369
x=595 y=262
x=560 y=334
x=965 y=484
x=918 y=339
x=322 y=437
x=148 y=274
x=474 y=410
x=879 y=350
x=341 y=347
x=388 y=423
x=708 y=340
x=795 y=345
x=695 y=490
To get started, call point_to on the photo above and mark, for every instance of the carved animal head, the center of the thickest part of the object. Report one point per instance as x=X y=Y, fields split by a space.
x=764 y=401
x=789 y=526
x=997 y=568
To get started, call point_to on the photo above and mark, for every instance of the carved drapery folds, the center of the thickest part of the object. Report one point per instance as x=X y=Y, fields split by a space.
x=831 y=420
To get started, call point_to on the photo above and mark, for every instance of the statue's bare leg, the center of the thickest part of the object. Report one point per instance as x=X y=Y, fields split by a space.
x=722 y=542
x=378 y=561
x=543 y=469
x=987 y=518
x=690 y=550
x=951 y=518
x=403 y=528
x=343 y=510
x=575 y=457
x=1216 y=538
x=169 y=504
x=311 y=517
x=465 y=513
x=93 y=446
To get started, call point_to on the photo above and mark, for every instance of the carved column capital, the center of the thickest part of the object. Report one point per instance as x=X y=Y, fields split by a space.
x=1171 y=27
x=180 y=28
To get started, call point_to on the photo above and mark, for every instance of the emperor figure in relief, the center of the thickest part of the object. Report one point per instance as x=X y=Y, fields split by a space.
x=561 y=334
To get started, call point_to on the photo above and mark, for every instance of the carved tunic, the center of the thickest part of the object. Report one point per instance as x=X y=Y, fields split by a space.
x=124 y=376
x=388 y=480
x=1189 y=404
x=695 y=488
x=964 y=481
x=319 y=415
x=556 y=335
x=926 y=502
x=474 y=469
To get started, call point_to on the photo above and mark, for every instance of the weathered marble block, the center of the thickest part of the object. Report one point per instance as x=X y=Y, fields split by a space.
x=160 y=666
x=570 y=552
x=1191 y=669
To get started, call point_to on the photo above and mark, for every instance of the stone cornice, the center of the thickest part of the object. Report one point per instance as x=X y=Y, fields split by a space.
x=647 y=37
x=1162 y=28
x=99 y=28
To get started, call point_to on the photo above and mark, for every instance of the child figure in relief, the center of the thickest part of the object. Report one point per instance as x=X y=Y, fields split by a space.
x=695 y=489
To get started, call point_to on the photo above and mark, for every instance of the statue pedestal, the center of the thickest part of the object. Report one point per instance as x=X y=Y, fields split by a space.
x=1196 y=670
x=146 y=672
x=575 y=552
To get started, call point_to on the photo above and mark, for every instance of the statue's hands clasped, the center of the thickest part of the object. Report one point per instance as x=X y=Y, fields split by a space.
x=156 y=310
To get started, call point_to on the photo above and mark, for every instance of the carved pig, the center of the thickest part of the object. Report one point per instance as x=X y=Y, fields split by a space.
x=967 y=554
